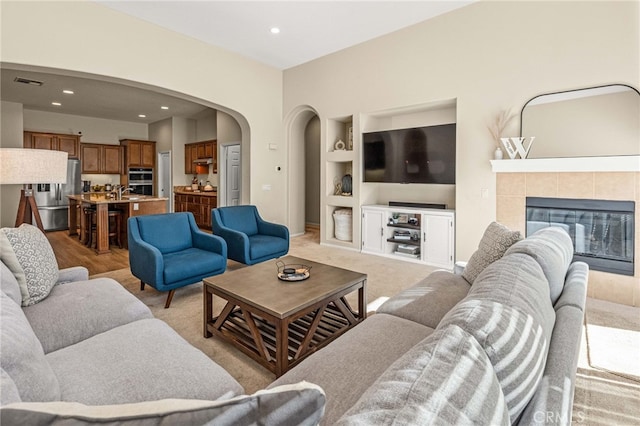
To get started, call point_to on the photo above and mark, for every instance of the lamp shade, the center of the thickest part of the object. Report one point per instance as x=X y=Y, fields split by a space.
x=25 y=166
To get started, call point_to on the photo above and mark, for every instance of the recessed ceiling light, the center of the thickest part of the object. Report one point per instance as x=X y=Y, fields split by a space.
x=275 y=30
x=164 y=107
x=142 y=116
x=67 y=92
x=56 y=103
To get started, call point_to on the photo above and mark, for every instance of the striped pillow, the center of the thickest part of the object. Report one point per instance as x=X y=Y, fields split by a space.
x=445 y=379
x=514 y=342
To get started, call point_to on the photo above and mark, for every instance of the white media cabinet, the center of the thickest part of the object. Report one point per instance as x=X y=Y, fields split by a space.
x=411 y=234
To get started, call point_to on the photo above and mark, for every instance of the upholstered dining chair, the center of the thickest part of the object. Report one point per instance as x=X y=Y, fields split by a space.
x=250 y=239
x=168 y=251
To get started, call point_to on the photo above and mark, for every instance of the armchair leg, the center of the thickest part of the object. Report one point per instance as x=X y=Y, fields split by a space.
x=169 y=297
x=141 y=285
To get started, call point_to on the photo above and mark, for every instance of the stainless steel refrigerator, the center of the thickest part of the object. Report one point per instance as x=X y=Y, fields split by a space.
x=53 y=204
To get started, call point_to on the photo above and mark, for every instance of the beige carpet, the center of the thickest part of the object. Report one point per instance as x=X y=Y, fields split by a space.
x=601 y=398
x=385 y=278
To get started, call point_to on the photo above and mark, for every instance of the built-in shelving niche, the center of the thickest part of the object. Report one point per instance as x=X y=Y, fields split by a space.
x=338 y=162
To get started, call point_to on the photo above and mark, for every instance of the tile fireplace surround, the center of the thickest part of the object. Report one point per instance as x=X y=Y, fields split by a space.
x=592 y=178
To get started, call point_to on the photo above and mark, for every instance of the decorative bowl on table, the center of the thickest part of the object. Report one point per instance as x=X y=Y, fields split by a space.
x=293 y=271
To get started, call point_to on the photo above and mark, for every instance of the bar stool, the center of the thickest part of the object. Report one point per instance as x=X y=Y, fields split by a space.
x=89 y=225
x=115 y=225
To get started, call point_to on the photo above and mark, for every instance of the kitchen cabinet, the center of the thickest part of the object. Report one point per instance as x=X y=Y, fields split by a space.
x=101 y=158
x=139 y=153
x=190 y=154
x=199 y=205
x=412 y=234
x=200 y=150
x=53 y=141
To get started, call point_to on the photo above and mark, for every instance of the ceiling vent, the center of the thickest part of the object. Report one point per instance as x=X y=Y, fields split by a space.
x=28 y=81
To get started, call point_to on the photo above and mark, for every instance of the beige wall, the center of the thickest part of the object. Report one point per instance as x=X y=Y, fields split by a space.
x=10 y=137
x=602 y=125
x=94 y=130
x=488 y=56
x=85 y=37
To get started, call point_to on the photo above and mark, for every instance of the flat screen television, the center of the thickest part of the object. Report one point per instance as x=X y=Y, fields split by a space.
x=417 y=155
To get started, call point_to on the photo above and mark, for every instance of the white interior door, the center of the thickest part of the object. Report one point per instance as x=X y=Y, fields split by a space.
x=164 y=178
x=232 y=174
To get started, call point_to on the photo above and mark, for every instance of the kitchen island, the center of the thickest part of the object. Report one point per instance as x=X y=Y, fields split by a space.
x=131 y=205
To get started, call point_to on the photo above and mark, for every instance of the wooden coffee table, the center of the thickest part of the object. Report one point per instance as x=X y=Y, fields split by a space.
x=279 y=323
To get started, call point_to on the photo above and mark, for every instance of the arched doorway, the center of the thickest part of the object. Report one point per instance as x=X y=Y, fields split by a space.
x=303 y=192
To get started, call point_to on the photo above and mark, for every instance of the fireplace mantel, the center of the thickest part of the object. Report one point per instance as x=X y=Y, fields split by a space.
x=626 y=163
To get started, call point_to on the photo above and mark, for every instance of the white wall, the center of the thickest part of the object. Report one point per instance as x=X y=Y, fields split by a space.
x=85 y=37
x=489 y=56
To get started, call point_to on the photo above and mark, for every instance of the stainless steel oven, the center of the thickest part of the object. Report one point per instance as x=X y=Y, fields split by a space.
x=141 y=180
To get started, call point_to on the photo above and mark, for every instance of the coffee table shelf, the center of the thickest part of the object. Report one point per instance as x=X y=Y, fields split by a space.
x=330 y=326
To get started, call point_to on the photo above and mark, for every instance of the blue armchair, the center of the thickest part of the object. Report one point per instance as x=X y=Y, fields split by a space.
x=249 y=238
x=168 y=251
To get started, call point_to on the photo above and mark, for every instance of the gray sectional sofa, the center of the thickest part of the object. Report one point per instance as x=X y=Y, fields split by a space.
x=501 y=348
x=75 y=350
x=497 y=343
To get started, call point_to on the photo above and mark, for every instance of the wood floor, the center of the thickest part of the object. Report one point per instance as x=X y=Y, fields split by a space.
x=71 y=252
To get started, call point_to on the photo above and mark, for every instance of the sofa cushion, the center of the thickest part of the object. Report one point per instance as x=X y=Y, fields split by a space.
x=8 y=389
x=510 y=315
x=355 y=360
x=429 y=300
x=496 y=239
x=298 y=404
x=101 y=370
x=77 y=310
x=28 y=254
x=261 y=245
x=553 y=250
x=191 y=262
x=22 y=357
x=9 y=284
x=445 y=379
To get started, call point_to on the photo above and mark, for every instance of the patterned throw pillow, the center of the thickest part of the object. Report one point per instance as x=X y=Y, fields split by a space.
x=28 y=254
x=496 y=240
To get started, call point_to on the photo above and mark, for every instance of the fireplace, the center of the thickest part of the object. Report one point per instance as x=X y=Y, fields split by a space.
x=602 y=231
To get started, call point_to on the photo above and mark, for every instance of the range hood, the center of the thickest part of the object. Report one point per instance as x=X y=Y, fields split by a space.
x=203 y=161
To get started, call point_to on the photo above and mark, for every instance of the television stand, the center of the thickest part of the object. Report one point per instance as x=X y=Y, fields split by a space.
x=420 y=235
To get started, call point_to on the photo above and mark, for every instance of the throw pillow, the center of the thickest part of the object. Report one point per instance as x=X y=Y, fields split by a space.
x=445 y=379
x=552 y=248
x=28 y=254
x=297 y=404
x=495 y=241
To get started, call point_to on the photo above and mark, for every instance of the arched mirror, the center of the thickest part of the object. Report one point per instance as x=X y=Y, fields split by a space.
x=592 y=122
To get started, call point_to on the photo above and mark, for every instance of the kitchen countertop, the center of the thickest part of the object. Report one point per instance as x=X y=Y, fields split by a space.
x=101 y=198
x=213 y=193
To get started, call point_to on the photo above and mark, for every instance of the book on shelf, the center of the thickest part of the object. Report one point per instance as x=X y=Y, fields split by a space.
x=407 y=249
x=414 y=256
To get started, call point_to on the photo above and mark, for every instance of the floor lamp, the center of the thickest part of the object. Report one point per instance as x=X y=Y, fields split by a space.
x=27 y=167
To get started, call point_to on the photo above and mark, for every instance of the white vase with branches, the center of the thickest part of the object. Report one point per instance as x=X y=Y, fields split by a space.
x=496 y=128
